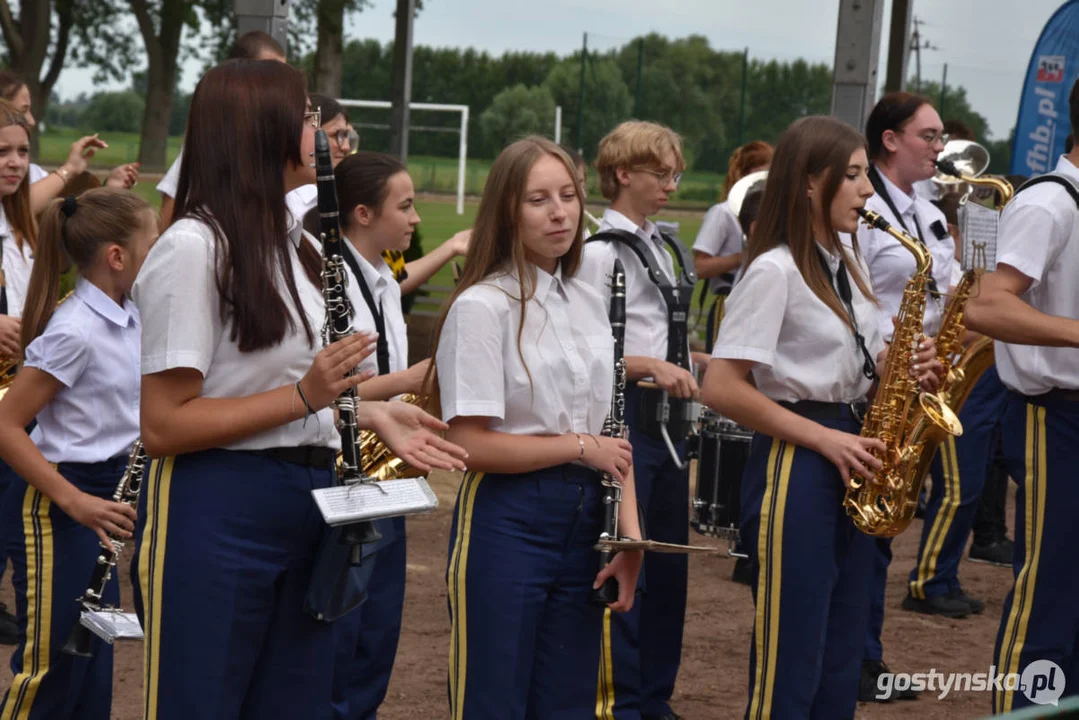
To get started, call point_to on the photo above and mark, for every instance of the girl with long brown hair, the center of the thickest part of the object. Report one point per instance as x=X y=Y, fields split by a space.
x=525 y=369
x=802 y=321
x=80 y=380
x=18 y=227
x=236 y=415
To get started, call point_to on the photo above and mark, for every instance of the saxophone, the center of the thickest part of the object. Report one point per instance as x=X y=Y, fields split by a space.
x=614 y=426
x=376 y=458
x=127 y=492
x=908 y=421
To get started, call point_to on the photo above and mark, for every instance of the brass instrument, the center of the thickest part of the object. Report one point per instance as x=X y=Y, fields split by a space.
x=127 y=492
x=908 y=421
x=377 y=460
x=740 y=189
x=964 y=161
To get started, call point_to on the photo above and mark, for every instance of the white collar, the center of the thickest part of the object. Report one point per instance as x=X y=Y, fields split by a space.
x=620 y=222
x=93 y=297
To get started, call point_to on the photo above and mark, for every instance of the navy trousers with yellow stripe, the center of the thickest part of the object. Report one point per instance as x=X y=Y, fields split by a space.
x=1040 y=620
x=811 y=589
x=52 y=559
x=525 y=637
x=226 y=544
x=953 y=499
x=641 y=661
x=366 y=638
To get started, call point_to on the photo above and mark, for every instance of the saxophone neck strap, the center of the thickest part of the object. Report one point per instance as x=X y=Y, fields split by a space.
x=840 y=283
x=382 y=347
x=882 y=190
x=677 y=296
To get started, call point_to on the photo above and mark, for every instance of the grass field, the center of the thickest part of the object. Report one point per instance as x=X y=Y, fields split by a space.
x=431 y=174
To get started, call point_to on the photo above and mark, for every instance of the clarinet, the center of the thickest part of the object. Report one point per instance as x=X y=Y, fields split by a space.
x=614 y=426
x=338 y=325
x=127 y=492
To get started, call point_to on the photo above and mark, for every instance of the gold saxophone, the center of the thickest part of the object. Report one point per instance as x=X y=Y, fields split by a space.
x=376 y=458
x=908 y=421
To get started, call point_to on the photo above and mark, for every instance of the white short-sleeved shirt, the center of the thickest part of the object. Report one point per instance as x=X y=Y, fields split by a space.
x=17 y=263
x=564 y=382
x=720 y=235
x=177 y=297
x=891 y=265
x=1039 y=237
x=37 y=173
x=802 y=349
x=301 y=200
x=646 y=310
x=171 y=179
x=91 y=345
x=386 y=292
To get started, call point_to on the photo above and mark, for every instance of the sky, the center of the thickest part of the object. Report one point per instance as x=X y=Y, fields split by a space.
x=986 y=44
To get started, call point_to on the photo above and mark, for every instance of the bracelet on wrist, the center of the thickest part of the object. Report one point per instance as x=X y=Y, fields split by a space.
x=580 y=444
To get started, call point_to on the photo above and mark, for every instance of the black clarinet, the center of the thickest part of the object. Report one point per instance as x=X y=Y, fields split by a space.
x=614 y=426
x=127 y=492
x=338 y=325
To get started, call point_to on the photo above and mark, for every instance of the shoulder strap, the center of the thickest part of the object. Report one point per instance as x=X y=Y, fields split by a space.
x=382 y=347
x=636 y=244
x=1064 y=181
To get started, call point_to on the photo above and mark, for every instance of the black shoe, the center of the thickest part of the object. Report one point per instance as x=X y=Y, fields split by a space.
x=742 y=574
x=869 y=688
x=998 y=552
x=976 y=605
x=9 y=627
x=944 y=605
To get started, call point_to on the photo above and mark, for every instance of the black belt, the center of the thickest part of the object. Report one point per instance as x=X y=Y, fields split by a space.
x=306 y=455
x=816 y=410
x=1056 y=394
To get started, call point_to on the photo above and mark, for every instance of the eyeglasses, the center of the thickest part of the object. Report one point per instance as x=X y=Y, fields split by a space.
x=341 y=137
x=313 y=118
x=665 y=178
x=931 y=138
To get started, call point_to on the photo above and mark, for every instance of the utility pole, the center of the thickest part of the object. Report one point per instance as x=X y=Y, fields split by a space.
x=401 y=83
x=917 y=44
x=857 y=47
x=898 y=46
x=580 y=98
x=943 y=87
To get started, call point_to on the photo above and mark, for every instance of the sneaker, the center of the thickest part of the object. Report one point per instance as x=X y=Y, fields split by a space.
x=869 y=689
x=976 y=605
x=943 y=605
x=9 y=627
x=998 y=552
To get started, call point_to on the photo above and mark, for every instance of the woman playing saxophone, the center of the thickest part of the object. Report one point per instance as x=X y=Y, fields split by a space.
x=802 y=320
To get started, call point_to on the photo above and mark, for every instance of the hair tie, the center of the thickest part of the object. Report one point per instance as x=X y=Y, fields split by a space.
x=69 y=206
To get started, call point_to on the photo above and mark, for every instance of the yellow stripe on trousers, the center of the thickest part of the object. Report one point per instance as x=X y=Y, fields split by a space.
x=152 y=575
x=37 y=534
x=456 y=581
x=1015 y=631
x=605 y=687
x=942 y=523
x=769 y=579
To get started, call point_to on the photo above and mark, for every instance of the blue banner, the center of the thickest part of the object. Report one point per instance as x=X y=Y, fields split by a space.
x=1043 y=123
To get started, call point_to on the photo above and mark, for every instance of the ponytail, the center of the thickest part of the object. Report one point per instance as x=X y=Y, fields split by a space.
x=72 y=231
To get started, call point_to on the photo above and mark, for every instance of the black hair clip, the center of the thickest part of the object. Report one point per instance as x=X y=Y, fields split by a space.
x=69 y=206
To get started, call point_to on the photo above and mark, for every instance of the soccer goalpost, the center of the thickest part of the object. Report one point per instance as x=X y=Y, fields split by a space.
x=462 y=157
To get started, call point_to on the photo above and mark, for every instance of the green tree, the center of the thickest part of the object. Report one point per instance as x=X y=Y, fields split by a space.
x=607 y=100
x=113 y=112
x=516 y=112
x=956 y=106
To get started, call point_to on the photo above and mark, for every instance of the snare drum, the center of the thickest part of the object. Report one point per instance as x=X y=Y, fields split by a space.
x=724 y=449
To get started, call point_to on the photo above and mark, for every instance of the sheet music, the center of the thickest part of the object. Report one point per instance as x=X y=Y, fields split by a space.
x=110 y=625
x=979 y=226
x=372 y=501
